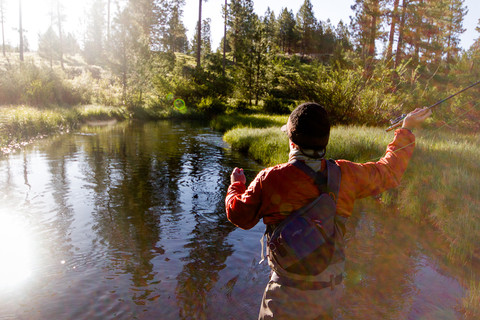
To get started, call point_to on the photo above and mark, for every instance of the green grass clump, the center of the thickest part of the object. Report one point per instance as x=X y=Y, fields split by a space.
x=100 y=113
x=268 y=146
x=236 y=120
x=19 y=124
x=22 y=123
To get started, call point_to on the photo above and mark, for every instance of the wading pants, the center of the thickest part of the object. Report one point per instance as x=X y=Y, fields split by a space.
x=282 y=302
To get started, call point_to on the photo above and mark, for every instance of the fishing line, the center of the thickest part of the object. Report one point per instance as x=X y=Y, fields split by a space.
x=434 y=130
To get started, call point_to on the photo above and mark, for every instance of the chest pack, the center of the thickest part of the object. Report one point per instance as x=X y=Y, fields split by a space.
x=305 y=242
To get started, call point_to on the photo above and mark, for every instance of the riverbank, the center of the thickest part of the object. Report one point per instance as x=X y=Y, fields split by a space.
x=440 y=186
x=20 y=125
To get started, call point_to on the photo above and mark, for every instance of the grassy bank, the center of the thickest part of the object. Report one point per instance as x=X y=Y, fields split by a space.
x=20 y=124
x=234 y=120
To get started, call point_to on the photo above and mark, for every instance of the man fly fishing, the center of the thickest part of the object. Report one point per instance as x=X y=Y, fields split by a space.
x=304 y=204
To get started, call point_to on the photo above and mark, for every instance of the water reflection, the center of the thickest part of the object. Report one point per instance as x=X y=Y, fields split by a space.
x=389 y=275
x=128 y=222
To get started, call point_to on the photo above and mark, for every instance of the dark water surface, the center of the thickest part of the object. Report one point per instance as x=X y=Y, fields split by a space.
x=127 y=222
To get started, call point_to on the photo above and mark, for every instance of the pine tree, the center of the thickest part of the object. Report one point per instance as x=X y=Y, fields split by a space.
x=95 y=40
x=367 y=28
x=48 y=45
x=159 y=18
x=121 y=27
x=270 y=24
x=286 y=36
x=394 y=17
x=176 y=37
x=60 y=18
x=401 y=33
x=241 y=23
x=454 y=27
x=206 y=41
x=431 y=30
x=199 y=32
x=306 y=25
x=342 y=35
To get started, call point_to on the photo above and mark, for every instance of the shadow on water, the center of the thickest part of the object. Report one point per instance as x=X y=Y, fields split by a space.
x=127 y=222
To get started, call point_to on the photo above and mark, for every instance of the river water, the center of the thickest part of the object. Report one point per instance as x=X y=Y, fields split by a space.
x=128 y=222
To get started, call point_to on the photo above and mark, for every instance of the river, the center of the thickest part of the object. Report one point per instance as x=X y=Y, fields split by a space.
x=128 y=222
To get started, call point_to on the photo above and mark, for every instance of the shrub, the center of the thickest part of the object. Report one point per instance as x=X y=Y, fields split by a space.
x=212 y=106
x=274 y=105
x=241 y=106
x=28 y=84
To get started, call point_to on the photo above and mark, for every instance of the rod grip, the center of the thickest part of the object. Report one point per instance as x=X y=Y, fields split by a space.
x=395 y=125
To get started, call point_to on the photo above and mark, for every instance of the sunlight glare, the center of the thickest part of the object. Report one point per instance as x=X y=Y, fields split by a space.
x=15 y=251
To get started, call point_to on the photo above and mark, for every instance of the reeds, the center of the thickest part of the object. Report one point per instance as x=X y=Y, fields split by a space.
x=236 y=120
x=19 y=124
x=471 y=302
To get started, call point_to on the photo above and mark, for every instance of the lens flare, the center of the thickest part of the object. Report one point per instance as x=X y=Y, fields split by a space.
x=179 y=104
x=15 y=251
x=169 y=96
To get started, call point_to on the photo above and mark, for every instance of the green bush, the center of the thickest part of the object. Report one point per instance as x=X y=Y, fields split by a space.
x=272 y=105
x=212 y=106
x=28 y=84
x=241 y=106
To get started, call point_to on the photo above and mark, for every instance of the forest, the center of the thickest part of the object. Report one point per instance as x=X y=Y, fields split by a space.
x=392 y=56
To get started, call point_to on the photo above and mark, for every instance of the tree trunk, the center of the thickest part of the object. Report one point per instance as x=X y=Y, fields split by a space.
x=373 y=36
x=60 y=38
x=225 y=38
x=108 y=20
x=20 y=31
x=401 y=28
x=371 y=40
x=392 y=30
x=416 y=40
x=199 y=32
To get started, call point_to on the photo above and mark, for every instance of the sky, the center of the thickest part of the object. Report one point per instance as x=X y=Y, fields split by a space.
x=36 y=17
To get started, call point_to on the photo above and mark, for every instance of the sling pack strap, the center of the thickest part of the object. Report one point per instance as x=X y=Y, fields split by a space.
x=326 y=182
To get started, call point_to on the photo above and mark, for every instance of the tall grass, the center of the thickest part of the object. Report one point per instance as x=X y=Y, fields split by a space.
x=268 y=146
x=19 y=124
x=471 y=302
x=236 y=120
x=100 y=113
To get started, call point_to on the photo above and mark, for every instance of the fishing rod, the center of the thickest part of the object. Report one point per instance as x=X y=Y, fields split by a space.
x=397 y=122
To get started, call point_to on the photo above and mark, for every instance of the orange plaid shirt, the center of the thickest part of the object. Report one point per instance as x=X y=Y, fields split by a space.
x=279 y=190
